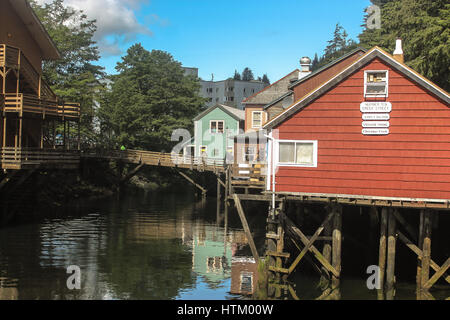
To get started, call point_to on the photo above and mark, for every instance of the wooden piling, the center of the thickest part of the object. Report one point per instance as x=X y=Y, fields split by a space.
x=426 y=248
x=390 y=270
x=337 y=245
x=382 y=251
x=241 y=213
x=326 y=252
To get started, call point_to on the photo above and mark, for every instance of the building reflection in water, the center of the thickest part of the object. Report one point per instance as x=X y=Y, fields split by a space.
x=143 y=252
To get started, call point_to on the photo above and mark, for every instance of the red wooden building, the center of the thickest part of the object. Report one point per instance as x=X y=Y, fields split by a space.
x=376 y=130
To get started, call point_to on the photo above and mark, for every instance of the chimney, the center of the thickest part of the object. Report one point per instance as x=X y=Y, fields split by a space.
x=398 y=53
x=305 y=69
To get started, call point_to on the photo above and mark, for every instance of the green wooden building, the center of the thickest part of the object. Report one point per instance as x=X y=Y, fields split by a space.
x=214 y=130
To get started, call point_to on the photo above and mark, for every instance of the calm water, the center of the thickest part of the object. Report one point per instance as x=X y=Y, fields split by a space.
x=158 y=246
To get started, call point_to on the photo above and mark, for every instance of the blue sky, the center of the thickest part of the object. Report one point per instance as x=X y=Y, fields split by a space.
x=220 y=36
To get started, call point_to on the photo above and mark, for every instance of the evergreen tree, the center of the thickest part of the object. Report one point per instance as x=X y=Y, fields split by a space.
x=237 y=75
x=315 y=62
x=338 y=46
x=149 y=98
x=74 y=77
x=247 y=74
x=266 y=80
x=424 y=27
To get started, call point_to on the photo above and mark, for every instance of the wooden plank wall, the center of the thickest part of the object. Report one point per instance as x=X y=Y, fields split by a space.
x=413 y=161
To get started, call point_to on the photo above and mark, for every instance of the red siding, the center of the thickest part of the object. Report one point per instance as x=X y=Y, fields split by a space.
x=413 y=161
x=315 y=81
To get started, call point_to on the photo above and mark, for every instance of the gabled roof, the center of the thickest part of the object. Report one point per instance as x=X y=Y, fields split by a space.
x=233 y=112
x=376 y=52
x=249 y=99
x=36 y=29
x=287 y=94
x=329 y=65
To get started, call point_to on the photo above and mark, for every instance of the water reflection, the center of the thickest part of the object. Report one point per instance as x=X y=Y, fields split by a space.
x=153 y=247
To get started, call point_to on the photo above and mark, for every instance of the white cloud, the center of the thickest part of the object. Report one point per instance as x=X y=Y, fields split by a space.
x=116 y=21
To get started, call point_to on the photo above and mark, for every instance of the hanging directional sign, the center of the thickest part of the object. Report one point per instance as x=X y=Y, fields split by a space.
x=376 y=116
x=369 y=107
x=375 y=124
x=375 y=132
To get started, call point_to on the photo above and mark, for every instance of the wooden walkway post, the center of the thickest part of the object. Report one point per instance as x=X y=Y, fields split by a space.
x=390 y=270
x=337 y=245
x=426 y=248
x=241 y=213
x=382 y=251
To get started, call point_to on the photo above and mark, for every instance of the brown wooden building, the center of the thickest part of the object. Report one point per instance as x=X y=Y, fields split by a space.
x=35 y=122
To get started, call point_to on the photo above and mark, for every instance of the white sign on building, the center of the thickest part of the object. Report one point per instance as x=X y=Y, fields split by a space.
x=368 y=107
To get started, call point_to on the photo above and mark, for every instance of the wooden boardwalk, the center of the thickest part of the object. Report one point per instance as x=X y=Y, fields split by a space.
x=161 y=159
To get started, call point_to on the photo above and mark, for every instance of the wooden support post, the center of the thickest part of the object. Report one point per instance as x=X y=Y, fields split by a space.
x=132 y=173
x=426 y=248
x=420 y=244
x=418 y=252
x=226 y=186
x=42 y=135
x=382 y=251
x=4 y=131
x=54 y=134
x=311 y=241
x=68 y=135
x=79 y=135
x=203 y=190
x=304 y=239
x=326 y=252
x=390 y=270
x=337 y=245
x=20 y=131
x=218 y=190
x=439 y=273
x=241 y=213
x=64 y=136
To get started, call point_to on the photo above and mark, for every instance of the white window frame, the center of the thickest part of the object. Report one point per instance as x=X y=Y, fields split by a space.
x=217 y=126
x=315 y=144
x=253 y=119
x=371 y=95
x=241 y=277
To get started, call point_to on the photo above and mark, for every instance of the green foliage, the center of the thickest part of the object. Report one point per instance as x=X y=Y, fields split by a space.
x=247 y=75
x=149 y=98
x=338 y=46
x=424 y=27
x=74 y=77
x=237 y=75
x=266 y=80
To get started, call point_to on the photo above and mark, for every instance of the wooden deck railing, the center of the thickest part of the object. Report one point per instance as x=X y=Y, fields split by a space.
x=251 y=174
x=14 y=58
x=158 y=159
x=32 y=104
x=18 y=157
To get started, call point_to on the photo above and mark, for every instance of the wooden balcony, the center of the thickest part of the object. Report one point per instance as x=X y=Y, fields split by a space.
x=25 y=158
x=248 y=175
x=13 y=58
x=22 y=103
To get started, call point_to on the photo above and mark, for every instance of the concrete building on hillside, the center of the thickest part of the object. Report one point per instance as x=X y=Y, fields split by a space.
x=229 y=92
